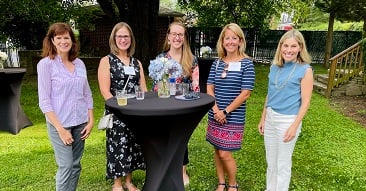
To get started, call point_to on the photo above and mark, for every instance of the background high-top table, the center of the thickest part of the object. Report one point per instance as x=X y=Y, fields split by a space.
x=12 y=116
x=163 y=127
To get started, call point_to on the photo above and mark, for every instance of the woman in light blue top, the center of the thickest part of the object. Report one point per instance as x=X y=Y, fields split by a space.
x=66 y=100
x=288 y=99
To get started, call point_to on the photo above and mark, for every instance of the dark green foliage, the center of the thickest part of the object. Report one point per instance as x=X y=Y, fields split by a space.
x=26 y=22
x=248 y=14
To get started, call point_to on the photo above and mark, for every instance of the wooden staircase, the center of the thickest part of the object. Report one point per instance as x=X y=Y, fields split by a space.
x=346 y=74
x=354 y=87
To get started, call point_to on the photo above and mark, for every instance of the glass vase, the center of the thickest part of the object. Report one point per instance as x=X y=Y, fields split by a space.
x=163 y=89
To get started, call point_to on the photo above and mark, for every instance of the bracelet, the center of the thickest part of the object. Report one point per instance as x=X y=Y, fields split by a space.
x=225 y=112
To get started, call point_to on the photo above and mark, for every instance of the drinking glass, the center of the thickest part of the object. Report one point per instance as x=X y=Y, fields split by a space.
x=121 y=97
x=139 y=92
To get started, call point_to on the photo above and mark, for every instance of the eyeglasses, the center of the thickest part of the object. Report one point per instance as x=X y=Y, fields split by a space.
x=179 y=35
x=122 y=37
x=224 y=72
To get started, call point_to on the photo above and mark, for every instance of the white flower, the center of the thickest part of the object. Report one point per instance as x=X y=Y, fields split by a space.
x=205 y=50
x=3 y=56
x=162 y=66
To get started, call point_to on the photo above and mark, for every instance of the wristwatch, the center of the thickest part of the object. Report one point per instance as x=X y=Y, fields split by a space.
x=225 y=112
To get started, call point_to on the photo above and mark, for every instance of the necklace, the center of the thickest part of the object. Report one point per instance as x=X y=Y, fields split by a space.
x=281 y=86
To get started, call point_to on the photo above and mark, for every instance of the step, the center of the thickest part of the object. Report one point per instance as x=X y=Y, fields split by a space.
x=319 y=87
x=323 y=78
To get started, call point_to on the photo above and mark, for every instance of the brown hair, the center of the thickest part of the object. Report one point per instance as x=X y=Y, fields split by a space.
x=187 y=56
x=59 y=29
x=112 y=39
x=239 y=32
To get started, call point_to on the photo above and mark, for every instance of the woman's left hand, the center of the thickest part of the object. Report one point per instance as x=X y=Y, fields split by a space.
x=86 y=131
x=289 y=134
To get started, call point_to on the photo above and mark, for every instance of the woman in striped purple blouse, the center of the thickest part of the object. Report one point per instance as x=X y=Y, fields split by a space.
x=66 y=100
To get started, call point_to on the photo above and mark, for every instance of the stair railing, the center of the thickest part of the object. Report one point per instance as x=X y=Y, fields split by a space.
x=344 y=66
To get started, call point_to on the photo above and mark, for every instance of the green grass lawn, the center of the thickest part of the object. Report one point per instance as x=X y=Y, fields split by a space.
x=329 y=155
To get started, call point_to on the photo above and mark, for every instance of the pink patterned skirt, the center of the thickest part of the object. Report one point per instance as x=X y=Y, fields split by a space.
x=226 y=137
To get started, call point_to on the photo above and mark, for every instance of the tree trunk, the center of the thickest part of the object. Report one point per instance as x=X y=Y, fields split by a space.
x=142 y=16
x=143 y=21
x=364 y=28
x=329 y=41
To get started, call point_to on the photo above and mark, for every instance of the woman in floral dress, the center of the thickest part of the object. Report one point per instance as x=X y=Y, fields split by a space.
x=119 y=70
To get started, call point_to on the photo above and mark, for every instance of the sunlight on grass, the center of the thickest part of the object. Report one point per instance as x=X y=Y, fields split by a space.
x=329 y=155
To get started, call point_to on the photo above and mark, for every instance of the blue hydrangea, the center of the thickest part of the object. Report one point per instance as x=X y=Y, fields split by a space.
x=162 y=66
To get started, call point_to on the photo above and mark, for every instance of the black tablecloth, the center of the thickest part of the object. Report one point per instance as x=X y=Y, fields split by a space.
x=204 y=64
x=163 y=126
x=12 y=117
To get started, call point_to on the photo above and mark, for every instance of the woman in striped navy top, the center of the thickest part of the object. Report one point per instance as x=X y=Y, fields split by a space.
x=231 y=81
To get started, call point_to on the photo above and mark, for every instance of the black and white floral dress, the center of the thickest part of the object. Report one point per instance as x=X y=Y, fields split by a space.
x=124 y=155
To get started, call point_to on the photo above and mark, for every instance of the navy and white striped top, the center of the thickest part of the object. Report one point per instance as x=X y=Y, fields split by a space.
x=228 y=88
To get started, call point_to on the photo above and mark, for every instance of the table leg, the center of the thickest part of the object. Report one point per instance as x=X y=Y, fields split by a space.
x=164 y=159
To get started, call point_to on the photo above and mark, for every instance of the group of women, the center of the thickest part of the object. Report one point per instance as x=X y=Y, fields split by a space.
x=66 y=100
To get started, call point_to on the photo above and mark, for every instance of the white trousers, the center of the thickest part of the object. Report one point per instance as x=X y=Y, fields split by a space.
x=278 y=152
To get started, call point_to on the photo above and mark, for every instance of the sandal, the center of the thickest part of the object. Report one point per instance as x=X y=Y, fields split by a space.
x=236 y=186
x=130 y=187
x=117 y=189
x=221 y=184
x=185 y=180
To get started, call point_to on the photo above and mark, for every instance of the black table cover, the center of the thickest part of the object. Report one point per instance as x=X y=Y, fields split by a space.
x=12 y=117
x=163 y=127
x=204 y=64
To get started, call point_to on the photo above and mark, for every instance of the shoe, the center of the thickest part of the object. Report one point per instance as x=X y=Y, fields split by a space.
x=117 y=189
x=130 y=187
x=236 y=186
x=220 y=185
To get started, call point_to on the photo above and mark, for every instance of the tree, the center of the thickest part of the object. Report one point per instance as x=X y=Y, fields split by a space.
x=25 y=22
x=332 y=7
x=300 y=10
x=142 y=17
x=246 y=13
x=355 y=12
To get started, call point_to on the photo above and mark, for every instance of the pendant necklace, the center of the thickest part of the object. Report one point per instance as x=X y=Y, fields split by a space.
x=281 y=86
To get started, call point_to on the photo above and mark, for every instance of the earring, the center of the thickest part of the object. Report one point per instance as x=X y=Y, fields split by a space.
x=168 y=42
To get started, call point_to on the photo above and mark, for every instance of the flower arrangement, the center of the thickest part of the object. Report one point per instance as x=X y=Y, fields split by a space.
x=3 y=58
x=162 y=68
x=205 y=50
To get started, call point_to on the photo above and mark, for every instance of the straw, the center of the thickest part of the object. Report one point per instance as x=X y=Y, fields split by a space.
x=126 y=82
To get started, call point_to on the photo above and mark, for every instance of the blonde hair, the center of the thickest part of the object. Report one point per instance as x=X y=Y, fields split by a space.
x=302 y=57
x=112 y=39
x=187 y=56
x=237 y=31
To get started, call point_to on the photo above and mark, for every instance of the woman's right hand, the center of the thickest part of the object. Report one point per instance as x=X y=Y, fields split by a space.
x=220 y=117
x=65 y=136
x=261 y=127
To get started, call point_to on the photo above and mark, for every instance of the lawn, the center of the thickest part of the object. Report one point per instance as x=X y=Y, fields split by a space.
x=329 y=155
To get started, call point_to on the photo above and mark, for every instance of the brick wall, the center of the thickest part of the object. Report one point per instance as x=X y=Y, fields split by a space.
x=94 y=43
